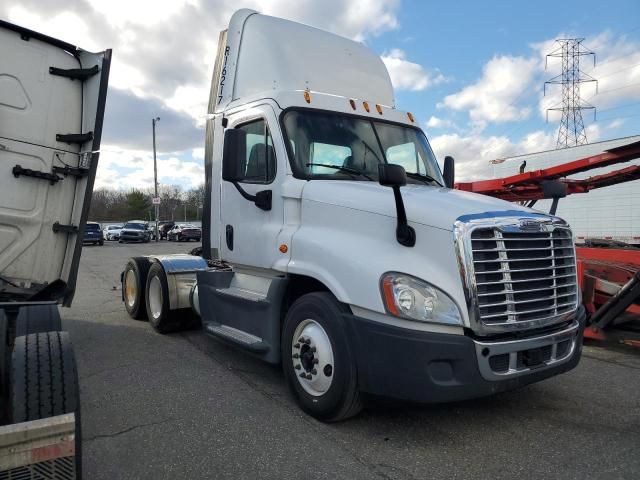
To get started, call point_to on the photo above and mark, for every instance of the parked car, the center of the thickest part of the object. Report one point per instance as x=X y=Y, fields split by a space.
x=184 y=233
x=112 y=232
x=135 y=231
x=93 y=234
x=163 y=229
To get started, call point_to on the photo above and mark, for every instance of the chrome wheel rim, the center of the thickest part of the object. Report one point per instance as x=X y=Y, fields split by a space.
x=130 y=288
x=155 y=297
x=312 y=357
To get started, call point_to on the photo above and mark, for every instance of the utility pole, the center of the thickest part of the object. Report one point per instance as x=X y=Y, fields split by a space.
x=155 y=172
x=571 y=131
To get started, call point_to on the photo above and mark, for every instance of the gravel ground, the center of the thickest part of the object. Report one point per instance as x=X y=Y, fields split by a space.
x=184 y=406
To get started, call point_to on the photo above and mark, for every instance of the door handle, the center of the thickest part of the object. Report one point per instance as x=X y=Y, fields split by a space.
x=229 y=237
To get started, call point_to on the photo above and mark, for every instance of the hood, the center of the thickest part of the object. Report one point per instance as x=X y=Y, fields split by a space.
x=427 y=205
x=51 y=113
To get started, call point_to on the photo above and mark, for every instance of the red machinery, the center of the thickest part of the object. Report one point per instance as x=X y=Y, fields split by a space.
x=608 y=272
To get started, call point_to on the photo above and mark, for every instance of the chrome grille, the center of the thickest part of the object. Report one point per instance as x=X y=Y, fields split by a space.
x=523 y=276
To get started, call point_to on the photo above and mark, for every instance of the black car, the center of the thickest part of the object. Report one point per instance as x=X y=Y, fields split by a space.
x=93 y=234
x=184 y=233
x=135 y=231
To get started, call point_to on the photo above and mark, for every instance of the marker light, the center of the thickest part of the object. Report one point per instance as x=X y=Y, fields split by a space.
x=409 y=297
x=410 y=117
x=353 y=104
x=379 y=108
x=307 y=96
x=366 y=106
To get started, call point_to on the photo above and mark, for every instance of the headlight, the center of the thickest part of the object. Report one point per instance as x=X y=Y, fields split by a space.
x=409 y=297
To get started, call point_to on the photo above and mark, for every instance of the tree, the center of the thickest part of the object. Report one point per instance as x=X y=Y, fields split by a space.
x=137 y=204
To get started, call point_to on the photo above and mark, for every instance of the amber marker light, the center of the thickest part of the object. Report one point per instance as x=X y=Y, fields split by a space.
x=353 y=104
x=379 y=108
x=366 y=106
x=283 y=248
x=410 y=117
x=387 y=291
x=307 y=96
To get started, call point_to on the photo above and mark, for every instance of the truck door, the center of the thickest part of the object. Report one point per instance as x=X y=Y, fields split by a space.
x=249 y=234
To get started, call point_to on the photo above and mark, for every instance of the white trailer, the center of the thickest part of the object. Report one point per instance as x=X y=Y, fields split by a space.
x=52 y=99
x=334 y=245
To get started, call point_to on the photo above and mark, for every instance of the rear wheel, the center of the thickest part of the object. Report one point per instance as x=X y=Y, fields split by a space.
x=133 y=286
x=161 y=317
x=38 y=319
x=44 y=381
x=317 y=363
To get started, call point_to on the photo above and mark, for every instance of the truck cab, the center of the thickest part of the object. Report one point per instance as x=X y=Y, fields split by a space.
x=334 y=244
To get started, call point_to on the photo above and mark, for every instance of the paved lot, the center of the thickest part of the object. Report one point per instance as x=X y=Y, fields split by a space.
x=184 y=406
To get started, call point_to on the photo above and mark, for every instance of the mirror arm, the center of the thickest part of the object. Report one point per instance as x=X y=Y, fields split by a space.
x=261 y=199
x=405 y=234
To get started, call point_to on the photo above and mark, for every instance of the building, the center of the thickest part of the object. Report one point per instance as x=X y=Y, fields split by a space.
x=610 y=212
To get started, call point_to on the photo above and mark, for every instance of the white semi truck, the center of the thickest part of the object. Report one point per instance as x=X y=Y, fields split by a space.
x=334 y=245
x=52 y=100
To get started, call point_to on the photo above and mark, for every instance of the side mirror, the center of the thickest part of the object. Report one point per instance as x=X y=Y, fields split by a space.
x=391 y=175
x=449 y=172
x=394 y=176
x=234 y=154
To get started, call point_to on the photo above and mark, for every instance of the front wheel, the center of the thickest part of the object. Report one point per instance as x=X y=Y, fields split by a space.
x=317 y=363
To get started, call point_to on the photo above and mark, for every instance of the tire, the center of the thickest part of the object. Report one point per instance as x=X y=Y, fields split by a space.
x=161 y=317
x=135 y=272
x=101 y=242
x=332 y=394
x=44 y=382
x=38 y=319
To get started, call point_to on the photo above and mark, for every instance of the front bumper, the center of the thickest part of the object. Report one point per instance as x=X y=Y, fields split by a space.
x=434 y=367
x=132 y=238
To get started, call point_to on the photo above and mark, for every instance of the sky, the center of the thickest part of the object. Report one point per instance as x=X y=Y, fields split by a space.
x=472 y=72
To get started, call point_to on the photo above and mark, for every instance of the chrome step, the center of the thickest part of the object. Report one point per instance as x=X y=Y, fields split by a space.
x=239 y=337
x=243 y=293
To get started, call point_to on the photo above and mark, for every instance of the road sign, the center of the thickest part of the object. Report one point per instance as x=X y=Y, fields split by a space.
x=155 y=201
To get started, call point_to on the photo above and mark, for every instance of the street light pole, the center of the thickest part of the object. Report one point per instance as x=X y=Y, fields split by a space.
x=155 y=171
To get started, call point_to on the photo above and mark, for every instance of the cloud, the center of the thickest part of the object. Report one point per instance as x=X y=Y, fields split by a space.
x=406 y=75
x=493 y=98
x=617 y=123
x=435 y=122
x=474 y=152
x=128 y=124
x=123 y=168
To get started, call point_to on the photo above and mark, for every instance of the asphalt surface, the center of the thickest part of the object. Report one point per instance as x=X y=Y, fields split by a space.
x=184 y=406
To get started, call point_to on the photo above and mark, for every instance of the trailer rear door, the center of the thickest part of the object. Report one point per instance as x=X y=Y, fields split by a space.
x=52 y=98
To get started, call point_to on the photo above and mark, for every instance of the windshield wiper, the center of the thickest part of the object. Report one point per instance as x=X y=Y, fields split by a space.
x=342 y=169
x=425 y=178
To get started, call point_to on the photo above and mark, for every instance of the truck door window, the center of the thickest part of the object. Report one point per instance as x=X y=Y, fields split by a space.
x=260 y=162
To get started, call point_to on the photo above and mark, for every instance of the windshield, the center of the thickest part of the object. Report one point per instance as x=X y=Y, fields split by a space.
x=335 y=146
x=92 y=226
x=135 y=226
